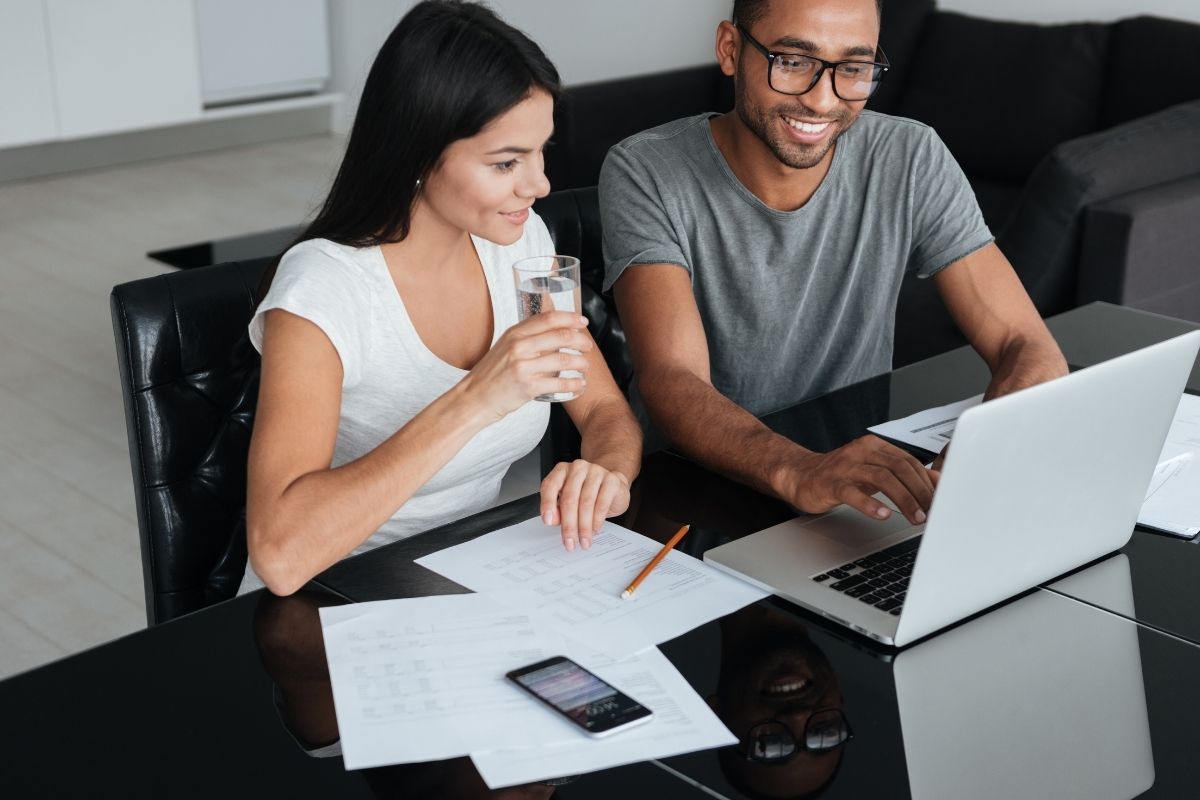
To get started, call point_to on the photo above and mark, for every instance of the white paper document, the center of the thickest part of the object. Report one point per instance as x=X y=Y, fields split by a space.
x=1173 y=502
x=421 y=679
x=581 y=590
x=930 y=429
x=682 y=723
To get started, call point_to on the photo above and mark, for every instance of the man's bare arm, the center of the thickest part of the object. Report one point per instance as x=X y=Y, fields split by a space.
x=992 y=309
x=671 y=358
x=994 y=312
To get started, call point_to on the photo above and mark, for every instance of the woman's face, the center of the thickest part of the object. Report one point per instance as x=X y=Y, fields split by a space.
x=486 y=184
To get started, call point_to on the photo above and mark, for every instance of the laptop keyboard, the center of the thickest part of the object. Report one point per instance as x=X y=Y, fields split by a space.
x=880 y=579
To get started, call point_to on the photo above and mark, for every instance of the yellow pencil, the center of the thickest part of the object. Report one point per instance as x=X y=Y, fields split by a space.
x=666 y=548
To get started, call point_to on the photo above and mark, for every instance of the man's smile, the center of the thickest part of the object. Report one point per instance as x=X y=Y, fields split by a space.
x=807 y=132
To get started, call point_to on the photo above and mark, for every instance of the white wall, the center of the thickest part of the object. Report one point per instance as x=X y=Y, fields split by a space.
x=588 y=40
x=592 y=40
x=1073 y=10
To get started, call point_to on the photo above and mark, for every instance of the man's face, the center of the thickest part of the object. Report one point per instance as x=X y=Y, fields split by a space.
x=801 y=129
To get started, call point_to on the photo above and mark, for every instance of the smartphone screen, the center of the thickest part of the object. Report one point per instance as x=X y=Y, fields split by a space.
x=583 y=698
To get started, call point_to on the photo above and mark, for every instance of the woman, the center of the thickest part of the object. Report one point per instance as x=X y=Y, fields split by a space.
x=396 y=385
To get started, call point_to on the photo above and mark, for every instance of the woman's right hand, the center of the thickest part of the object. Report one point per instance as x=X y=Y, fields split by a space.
x=525 y=362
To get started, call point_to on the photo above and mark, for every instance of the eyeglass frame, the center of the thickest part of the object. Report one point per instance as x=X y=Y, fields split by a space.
x=832 y=66
x=799 y=745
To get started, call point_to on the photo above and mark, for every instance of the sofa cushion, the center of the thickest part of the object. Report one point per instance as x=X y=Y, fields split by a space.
x=1041 y=240
x=593 y=117
x=1153 y=63
x=1140 y=249
x=899 y=36
x=1003 y=94
x=997 y=200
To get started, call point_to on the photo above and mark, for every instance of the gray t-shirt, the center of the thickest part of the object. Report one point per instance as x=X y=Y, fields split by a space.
x=794 y=303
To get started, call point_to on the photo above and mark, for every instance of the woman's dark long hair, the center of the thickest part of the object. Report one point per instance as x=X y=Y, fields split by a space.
x=447 y=70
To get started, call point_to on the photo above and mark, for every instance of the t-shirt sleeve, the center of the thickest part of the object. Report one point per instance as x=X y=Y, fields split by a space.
x=328 y=292
x=634 y=219
x=947 y=223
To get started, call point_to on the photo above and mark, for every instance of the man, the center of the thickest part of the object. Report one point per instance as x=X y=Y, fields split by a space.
x=756 y=257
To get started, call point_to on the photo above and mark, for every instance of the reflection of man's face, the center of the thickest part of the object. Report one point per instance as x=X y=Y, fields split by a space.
x=771 y=670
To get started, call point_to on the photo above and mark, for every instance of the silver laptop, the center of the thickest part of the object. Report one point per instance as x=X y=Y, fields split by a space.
x=1037 y=483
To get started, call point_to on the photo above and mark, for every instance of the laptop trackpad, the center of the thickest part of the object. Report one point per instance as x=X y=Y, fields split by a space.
x=853 y=529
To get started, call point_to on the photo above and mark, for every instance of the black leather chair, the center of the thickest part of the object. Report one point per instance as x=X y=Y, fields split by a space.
x=189 y=377
x=573 y=218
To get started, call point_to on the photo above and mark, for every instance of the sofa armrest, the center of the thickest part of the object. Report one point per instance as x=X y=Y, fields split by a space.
x=1140 y=250
x=1042 y=238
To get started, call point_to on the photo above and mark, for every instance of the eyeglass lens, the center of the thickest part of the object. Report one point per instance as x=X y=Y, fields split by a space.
x=796 y=74
x=771 y=742
x=825 y=730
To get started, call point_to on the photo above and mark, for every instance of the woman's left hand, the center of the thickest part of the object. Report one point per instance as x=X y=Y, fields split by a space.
x=579 y=496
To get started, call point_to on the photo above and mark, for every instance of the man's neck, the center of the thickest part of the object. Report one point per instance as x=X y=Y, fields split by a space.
x=770 y=180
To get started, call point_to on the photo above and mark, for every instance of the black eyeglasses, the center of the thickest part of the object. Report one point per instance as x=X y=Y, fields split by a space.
x=792 y=73
x=773 y=742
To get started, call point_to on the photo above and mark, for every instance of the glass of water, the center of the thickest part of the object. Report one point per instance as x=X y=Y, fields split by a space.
x=549 y=283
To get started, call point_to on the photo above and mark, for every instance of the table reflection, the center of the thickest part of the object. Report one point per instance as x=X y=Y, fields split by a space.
x=1041 y=697
x=772 y=672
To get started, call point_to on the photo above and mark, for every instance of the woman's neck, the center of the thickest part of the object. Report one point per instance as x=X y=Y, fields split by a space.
x=431 y=242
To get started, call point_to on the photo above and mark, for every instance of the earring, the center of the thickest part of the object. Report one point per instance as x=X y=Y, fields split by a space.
x=417 y=186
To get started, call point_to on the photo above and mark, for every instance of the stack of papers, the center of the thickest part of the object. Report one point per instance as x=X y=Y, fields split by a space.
x=421 y=679
x=581 y=590
x=930 y=429
x=1172 y=503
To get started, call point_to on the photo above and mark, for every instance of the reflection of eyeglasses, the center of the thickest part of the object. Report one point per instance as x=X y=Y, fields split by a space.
x=773 y=742
x=792 y=73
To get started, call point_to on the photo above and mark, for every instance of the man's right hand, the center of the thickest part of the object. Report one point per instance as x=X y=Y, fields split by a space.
x=817 y=482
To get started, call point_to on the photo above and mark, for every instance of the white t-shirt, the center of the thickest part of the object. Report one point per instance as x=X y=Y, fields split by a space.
x=389 y=375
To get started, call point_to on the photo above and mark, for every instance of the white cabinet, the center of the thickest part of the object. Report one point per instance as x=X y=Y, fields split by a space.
x=267 y=48
x=122 y=65
x=26 y=83
x=71 y=69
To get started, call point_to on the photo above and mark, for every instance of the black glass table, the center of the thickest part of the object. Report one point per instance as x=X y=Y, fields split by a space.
x=1060 y=693
x=672 y=490
x=235 y=248
x=217 y=704
x=1151 y=588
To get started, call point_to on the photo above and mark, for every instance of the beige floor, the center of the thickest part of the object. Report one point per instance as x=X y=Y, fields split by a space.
x=70 y=574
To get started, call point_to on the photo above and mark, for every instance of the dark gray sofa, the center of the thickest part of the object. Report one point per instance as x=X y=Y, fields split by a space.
x=1082 y=142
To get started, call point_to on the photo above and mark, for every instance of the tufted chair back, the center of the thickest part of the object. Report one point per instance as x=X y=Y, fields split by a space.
x=573 y=218
x=189 y=377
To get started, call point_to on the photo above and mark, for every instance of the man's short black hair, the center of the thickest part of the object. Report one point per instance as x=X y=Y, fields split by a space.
x=748 y=12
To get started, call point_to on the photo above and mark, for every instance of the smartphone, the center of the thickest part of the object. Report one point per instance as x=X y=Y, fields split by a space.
x=580 y=696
